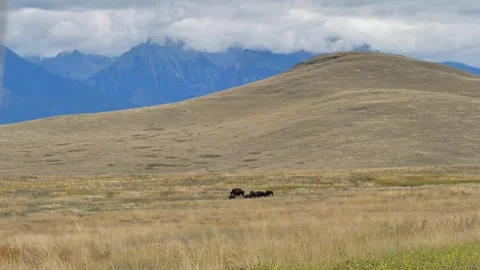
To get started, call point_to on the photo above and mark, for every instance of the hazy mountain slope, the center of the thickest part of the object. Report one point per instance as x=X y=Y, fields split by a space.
x=462 y=66
x=75 y=65
x=336 y=111
x=150 y=74
x=243 y=66
x=32 y=93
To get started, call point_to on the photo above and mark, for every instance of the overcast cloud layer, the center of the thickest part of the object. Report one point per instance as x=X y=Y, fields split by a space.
x=428 y=29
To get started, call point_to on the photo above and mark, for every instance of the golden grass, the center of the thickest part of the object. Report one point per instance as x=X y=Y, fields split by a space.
x=358 y=110
x=320 y=219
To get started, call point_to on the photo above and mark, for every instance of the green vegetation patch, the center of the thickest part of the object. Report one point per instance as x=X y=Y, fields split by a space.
x=358 y=178
x=465 y=256
x=77 y=191
x=411 y=181
x=293 y=187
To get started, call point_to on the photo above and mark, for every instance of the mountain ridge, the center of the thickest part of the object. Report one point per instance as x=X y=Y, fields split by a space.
x=32 y=92
x=73 y=64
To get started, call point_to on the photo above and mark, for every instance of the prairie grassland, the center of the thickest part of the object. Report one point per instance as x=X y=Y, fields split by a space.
x=316 y=220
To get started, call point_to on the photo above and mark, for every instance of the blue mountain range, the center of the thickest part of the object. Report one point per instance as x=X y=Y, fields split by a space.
x=31 y=92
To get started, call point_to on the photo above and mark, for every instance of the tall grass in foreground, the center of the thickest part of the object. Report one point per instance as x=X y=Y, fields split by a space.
x=304 y=226
x=288 y=243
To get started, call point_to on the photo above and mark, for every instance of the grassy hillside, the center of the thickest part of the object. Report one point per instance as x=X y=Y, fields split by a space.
x=336 y=111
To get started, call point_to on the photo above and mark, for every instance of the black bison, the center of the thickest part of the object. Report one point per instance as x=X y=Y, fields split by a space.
x=255 y=194
x=261 y=194
x=237 y=192
x=252 y=194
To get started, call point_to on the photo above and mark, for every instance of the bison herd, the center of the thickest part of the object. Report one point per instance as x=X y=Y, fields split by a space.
x=253 y=194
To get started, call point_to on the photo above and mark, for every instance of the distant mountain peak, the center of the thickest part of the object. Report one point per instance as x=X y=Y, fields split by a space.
x=77 y=53
x=73 y=64
x=171 y=42
x=66 y=53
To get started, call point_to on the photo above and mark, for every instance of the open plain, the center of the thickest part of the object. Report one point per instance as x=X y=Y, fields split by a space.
x=366 y=219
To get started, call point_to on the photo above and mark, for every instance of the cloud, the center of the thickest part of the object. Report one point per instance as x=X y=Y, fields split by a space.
x=81 y=5
x=434 y=30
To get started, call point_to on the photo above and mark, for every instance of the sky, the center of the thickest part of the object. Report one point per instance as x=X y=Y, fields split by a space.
x=437 y=30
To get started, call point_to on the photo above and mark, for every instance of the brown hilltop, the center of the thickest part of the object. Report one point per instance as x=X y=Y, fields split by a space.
x=335 y=111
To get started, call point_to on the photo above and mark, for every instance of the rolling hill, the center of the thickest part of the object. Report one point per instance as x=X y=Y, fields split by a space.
x=337 y=111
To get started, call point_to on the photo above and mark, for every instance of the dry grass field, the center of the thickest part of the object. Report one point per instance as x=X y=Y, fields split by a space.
x=361 y=219
x=339 y=111
x=361 y=150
